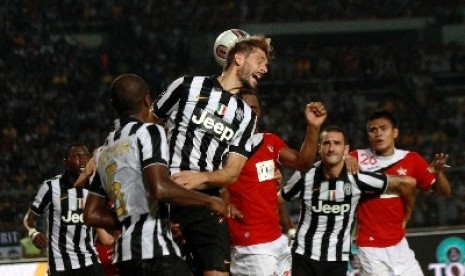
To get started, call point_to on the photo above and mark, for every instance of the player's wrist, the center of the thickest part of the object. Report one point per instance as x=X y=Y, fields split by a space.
x=291 y=232
x=32 y=232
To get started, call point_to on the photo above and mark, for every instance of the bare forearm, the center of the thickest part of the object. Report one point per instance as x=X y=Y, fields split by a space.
x=308 y=150
x=178 y=195
x=30 y=220
x=409 y=201
x=403 y=185
x=442 y=186
x=105 y=219
x=221 y=178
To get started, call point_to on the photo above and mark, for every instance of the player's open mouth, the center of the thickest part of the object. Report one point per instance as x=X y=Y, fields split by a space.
x=257 y=77
x=82 y=168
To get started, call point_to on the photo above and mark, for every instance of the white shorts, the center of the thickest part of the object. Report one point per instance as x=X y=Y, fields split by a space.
x=264 y=259
x=396 y=260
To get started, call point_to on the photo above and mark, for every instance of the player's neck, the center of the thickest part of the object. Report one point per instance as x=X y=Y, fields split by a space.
x=230 y=82
x=332 y=171
x=387 y=152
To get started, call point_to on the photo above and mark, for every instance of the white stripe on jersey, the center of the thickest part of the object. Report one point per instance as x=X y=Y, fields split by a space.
x=128 y=151
x=65 y=212
x=204 y=122
x=328 y=210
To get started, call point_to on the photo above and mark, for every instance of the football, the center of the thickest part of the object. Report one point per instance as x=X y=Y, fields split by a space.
x=224 y=41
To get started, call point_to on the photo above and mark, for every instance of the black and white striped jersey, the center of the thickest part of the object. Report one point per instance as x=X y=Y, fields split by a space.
x=204 y=122
x=328 y=210
x=70 y=241
x=127 y=151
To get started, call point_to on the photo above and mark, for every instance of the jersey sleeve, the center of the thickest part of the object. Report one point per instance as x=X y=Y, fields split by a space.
x=294 y=187
x=168 y=100
x=354 y=154
x=371 y=183
x=43 y=198
x=153 y=146
x=424 y=178
x=95 y=186
x=278 y=144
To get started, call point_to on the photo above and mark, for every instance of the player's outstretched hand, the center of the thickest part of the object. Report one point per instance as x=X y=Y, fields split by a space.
x=190 y=180
x=439 y=163
x=219 y=208
x=233 y=212
x=316 y=113
x=351 y=164
x=39 y=240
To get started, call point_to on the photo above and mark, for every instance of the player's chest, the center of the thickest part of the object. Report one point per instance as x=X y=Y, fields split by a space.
x=388 y=166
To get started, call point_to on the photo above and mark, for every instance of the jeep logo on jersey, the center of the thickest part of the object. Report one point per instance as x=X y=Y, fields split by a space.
x=331 y=208
x=214 y=125
x=73 y=217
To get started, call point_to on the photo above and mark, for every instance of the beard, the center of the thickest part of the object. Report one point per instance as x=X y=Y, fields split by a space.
x=245 y=74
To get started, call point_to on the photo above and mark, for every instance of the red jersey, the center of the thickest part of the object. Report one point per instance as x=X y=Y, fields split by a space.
x=105 y=259
x=255 y=194
x=380 y=217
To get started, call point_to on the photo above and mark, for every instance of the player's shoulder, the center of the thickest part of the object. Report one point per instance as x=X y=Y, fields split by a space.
x=151 y=128
x=402 y=153
x=273 y=138
x=411 y=155
x=358 y=152
x=52 y=180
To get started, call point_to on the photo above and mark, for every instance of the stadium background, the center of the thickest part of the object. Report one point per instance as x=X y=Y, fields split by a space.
x=57 y=59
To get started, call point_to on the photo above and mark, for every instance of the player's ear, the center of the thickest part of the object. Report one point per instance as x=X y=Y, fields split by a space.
x=148 y=100
x=239 y=59
x=396 y=132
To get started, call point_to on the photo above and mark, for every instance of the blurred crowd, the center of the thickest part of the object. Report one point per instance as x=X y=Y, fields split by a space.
x=54 y=88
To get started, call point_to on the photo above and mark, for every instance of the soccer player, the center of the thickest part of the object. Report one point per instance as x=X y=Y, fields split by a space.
x=329 y=195
x=70 y=241
x=382 y=247
x=258 y=246
x=208 y=126
x=132 y=173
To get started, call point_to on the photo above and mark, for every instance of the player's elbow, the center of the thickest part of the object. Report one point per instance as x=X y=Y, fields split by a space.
x=446 y=192
x=303 y=166
x=90 y=218
x=231 y=178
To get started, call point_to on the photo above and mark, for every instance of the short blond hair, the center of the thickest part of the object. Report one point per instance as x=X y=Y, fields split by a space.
x=247 y=46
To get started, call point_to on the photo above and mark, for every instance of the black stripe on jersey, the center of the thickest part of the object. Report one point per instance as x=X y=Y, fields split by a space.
x=318 y=178
x=155 y=136
x=157 y=249
x=182 y=98
x=45 y=200
x=63 y=228
x=218 y=156
x=248 y=132
x=205 y=92
x=175 y=96
x=134 y=128
x=89 y=242
x=298 y=187
x=51 y=255
x=165 y=228
x=106 y=142
x=117 y=134
x=136 y=238
x=329 y=227
x=345 y=222
x=368 y=189
x=77 y=235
